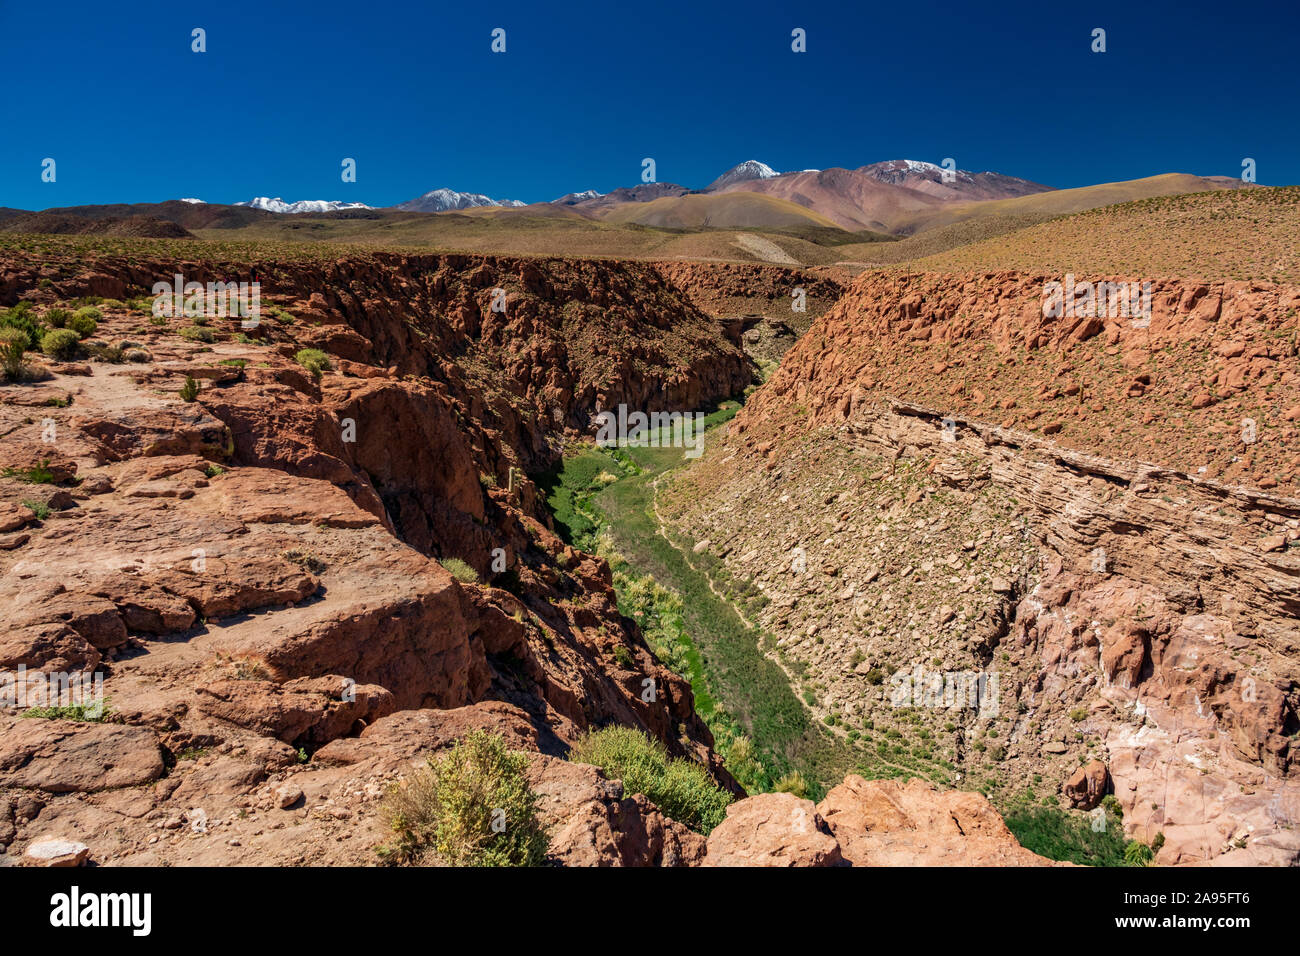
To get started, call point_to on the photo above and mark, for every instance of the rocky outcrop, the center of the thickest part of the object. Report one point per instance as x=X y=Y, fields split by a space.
x=772 y=829
x=1087 y=785
x=257 y=576
x=593 y=823
x=885 y=823
x=867 y=823
x=976 y=593
x=1206 y=385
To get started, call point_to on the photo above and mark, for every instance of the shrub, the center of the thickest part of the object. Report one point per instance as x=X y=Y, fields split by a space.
x=104 y=353
x=1137 y=854
x=624 y=656
x=93 y=713
x=13 y=343
x=307 y=560
x=470 y=807
x=792 y=782
x=460 y=570
x=60 y=344
x=136 y=355
x=36 y=475
x=85 y=321
x=314 y=361
x=190 y=390
x=57 y=318
x=38 y=508
x=20 y=317
x=197 y=333
x=683 y=790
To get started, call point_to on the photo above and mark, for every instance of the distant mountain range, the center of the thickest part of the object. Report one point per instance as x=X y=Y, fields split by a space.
x=895 y=198
x=306 y=205
x=836 y=195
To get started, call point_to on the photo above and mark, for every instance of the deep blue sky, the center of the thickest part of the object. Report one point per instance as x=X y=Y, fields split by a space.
x=411 y=90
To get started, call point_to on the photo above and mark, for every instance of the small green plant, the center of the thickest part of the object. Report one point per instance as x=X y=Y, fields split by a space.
x=1138 y=854
x=57 y=318
x=36 y=475
x=624 y=656
x=13 y=344
x=472 y=806
x=314 y=361
x=792 y=782
x=460 y=570
x=60 y=344
x=22 y=318
x=234 y=363
x=92 y=713
x=190 y=390
x=84 y=321
x=683 y=790
x=247 y=668
x=38 y=508
x=213 y=470
x=195 y=333
x=307 y=560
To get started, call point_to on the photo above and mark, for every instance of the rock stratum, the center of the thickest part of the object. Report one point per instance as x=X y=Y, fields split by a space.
x=941 y=482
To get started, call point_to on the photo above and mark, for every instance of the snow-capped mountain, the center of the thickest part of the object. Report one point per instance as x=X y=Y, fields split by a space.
x=958 y=184
x=744 y=172
x=443 y=200
x=569 y=199
x=303 y=205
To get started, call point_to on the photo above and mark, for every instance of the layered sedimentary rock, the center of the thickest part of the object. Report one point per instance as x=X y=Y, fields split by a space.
x=940 y=481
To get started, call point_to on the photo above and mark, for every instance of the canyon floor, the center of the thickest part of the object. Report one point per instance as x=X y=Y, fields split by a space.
x=951 y=581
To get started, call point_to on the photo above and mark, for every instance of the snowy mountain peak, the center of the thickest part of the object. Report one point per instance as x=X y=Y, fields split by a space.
x=444 y=200
x=744 y=172
x=569 y=199
x=305 y=205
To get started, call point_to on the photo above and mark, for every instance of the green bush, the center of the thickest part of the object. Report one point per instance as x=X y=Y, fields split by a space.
x=1138 y=854
x=20 y=317
x=57 y=318
x=38 y=508
x=197 y=333
x=792 y=782
x=60 y=344
x=314 y=361
x=13 y=343
x=460 y=570
x=470 y=807
x=683 y=790
x=189 y=390
x=84 y=322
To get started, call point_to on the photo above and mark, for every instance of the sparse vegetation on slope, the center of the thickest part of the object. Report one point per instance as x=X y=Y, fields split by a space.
x=471 y=806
